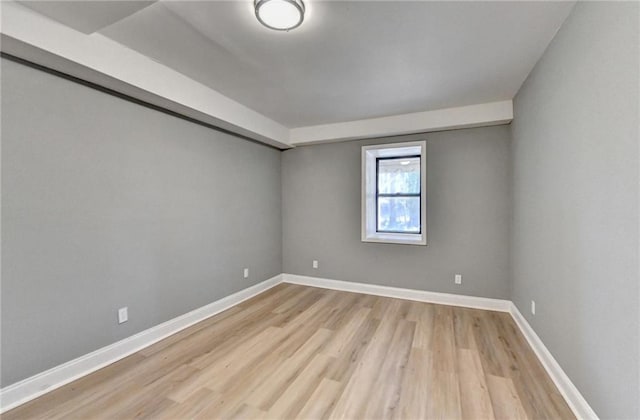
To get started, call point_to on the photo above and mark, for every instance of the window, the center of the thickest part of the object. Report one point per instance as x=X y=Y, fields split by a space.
x=393 y=193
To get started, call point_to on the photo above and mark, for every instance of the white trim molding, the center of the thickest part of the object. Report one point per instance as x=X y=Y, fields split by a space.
x=400 y=293
x=479 y=115
x=572 y=396
x=39 y=384
x=369 y=189
x=567 y=389
x=34 y=37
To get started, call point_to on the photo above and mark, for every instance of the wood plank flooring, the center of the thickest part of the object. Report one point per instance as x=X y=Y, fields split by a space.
x=303 y=352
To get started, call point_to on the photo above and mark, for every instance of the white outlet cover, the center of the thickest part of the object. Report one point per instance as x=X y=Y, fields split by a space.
x=315 y=263
x=246 y=273
x=123 y=315
x=458 y=278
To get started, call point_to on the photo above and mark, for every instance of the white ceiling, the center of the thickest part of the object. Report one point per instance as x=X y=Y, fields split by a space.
x=350 y=59
x=355 y=69
x=86 y=16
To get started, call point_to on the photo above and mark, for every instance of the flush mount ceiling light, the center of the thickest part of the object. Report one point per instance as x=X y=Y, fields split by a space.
x=280 y=15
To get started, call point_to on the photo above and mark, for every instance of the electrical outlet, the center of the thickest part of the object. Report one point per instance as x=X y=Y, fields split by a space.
x=315 y=263
x=458 y=278
x=533 y=307
x=123 y=315
x=246 y=273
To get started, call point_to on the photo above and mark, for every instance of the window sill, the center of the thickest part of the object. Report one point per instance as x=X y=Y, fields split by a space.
x=396 y=238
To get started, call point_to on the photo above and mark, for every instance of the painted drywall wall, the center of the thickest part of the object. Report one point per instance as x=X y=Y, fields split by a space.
x=107 y=204
x=467 y=215
x=575 y=215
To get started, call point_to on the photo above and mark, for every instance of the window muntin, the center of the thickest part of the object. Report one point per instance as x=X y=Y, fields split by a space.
x=398 y=194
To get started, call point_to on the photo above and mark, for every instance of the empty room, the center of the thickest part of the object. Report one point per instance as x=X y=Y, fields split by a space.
x=315 y=209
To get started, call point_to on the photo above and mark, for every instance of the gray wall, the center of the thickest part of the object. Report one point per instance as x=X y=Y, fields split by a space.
x=467 y=215
x=575 y=216
x=108 y=204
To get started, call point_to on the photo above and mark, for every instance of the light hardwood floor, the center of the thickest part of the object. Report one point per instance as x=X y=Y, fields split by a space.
x=303 y=352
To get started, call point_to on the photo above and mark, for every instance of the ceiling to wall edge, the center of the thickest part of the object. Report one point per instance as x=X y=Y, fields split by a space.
x=35 y=38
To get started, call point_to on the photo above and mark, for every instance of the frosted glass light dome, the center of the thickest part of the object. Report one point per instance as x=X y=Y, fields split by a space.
x=280 y=15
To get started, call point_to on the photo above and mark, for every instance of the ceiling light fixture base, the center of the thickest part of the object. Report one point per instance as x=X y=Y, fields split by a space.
x=280 y=15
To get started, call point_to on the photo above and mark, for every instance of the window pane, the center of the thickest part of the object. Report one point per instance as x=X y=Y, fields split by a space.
x=399 y=214
x=399 y=176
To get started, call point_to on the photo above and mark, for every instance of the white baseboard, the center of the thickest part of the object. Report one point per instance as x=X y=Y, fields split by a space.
x=30 y=388
x=400 y=293
x=574 y=399
x=572 y=396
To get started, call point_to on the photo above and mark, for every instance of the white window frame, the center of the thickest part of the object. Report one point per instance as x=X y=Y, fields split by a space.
x=369 y=222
